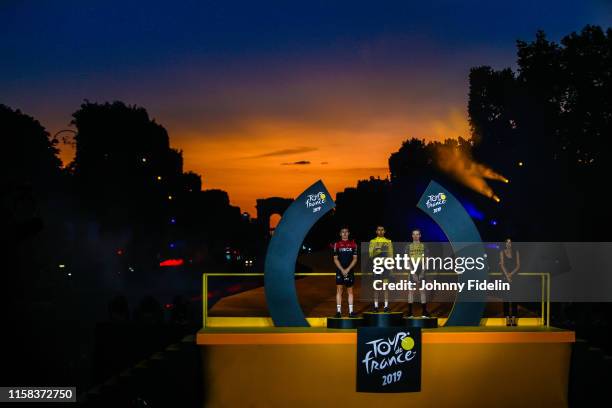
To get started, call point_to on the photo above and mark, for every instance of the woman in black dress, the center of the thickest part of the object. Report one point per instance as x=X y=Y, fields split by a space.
x=510 y=262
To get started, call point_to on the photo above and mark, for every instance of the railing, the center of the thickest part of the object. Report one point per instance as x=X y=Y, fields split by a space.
x=544 y=280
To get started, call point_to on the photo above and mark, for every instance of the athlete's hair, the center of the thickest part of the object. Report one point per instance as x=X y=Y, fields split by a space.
x=345 y=227
x=416 y=229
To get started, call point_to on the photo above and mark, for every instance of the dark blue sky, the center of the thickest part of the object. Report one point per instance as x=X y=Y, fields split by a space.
x=281 y=74
x=63 y=37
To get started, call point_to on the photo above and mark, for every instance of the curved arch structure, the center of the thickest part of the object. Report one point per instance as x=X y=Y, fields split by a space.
x=284 y=247
x=315 y=201
x=465 y=239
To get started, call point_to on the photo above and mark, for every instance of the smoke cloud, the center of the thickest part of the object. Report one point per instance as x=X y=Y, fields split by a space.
x=458 y=163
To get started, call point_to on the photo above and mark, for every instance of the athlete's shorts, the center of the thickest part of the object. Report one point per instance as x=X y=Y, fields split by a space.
x=348 y=280
x=385 y=275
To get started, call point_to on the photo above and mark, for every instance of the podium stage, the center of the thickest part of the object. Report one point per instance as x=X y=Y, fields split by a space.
x=499 y=366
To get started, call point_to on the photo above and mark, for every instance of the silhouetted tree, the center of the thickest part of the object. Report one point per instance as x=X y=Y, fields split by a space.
x=132 y=180
x=547 y=128
x=124 y=166
x=30 y=169
x=30 y=155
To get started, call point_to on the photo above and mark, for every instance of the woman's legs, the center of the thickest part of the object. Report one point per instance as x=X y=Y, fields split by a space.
x=514 y=314
x=507 y=313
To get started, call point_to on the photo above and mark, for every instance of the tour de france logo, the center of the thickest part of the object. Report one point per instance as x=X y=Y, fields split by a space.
x=436 y=201
x=315 y=201
x=385 y=353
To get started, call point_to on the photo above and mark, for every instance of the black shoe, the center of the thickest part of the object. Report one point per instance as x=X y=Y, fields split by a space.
x=375 y=309
x=425 y=313
x=352 y=315
x=386 y=309
x=513 y=321
x=508 y=323
x=338 y=315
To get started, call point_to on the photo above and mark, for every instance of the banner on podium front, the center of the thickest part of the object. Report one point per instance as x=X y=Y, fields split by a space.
x=388 y=359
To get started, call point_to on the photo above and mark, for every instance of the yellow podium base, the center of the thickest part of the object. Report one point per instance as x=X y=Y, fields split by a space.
x=316 y=367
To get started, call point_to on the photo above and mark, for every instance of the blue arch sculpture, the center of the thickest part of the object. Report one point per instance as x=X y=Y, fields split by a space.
x=283 y=250
x=465 y=239
x=315 y=201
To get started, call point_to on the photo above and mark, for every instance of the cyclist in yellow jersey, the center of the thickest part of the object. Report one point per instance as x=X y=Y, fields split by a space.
x=416 y=249
x=381 y=247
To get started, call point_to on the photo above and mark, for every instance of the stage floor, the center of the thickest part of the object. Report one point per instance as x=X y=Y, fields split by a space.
x=317 y=297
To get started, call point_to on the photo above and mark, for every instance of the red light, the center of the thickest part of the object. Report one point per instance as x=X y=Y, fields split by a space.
x=171 y=262
x=120 y=252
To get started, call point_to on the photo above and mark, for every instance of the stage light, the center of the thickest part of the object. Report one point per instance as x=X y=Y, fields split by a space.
x=159 y=178
x=144 y=159
x=506 y=181
x=120 y=252
x=497 y=199
x=61 y=266
x=169 y=197
x=493 y=222
x=172 y=220
x=520 y=164
x=69 y=274
x=171 y=262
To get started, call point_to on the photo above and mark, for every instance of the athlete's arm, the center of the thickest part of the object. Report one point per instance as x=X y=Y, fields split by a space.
x=353 y=263
x=425 y=255
x=371 y=249
x=503 y=267
x=518 y=263
x=339 y=266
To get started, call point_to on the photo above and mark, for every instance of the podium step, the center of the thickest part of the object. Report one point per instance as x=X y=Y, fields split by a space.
x=383 y=319
x=422 y=322
x=344 y=322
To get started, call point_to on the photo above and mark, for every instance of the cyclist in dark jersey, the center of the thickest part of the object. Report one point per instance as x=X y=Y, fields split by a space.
x=510 y=262
x=345 y=258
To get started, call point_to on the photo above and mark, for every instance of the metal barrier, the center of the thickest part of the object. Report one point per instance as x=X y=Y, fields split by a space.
x=544 y=280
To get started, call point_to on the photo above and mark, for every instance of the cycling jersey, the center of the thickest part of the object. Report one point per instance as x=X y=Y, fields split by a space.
x=380 y=247
x=345 y=251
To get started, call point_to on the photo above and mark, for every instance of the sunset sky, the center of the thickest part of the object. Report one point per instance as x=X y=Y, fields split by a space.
x=266 y=98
